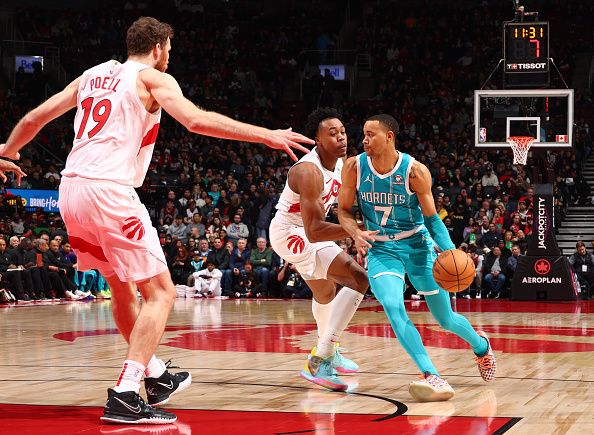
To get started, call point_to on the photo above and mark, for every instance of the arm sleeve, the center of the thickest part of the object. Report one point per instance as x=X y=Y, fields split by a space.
x=439 y=232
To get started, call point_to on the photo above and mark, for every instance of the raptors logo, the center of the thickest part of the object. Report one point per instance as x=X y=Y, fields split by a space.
x=295 y=244
x=542 y=267
x=133 y=228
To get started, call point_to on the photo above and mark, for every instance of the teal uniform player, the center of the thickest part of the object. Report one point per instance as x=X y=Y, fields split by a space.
x=393 y=192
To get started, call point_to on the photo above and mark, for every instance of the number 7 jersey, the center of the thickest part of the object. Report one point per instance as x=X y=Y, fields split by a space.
x=114 y=133
x=386 y=202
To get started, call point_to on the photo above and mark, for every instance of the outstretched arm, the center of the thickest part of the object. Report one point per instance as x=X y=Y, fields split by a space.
x=166 y=91
x=420 y=182
x=28 y=127
x=307 y=180
x=6 y=166
x=346 y=199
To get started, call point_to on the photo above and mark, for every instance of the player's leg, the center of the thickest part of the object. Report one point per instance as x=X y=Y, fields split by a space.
x=333 y=314
x=386 y=276
x=421 y=259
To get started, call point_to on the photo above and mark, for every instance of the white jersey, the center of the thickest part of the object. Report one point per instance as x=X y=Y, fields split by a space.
x=289 y=209
x=114 y=133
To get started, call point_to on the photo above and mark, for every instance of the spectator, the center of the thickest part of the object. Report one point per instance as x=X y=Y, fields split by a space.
x=208 y=281
x=192 y=210
x=82 y=280
x=261 y=259
x=489 y=179
x=295 y=286
x=491 y=238
x=168 y=213
x=237 y=230
x=55 y=262
x=219 y=255
x=248 y=285
x=512 y=262
x=203 y=251
x=582 y=263
x=237 y=259
x=18 y=278
x=181 y=266
x=178 y=230
x=493 y=276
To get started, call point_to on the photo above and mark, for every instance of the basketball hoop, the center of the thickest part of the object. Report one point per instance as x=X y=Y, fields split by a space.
x=520 y=146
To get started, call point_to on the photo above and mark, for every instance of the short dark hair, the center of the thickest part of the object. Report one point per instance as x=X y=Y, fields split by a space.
x=579 y=244
x=145 y=33
x=315 y=118
x=387 y=121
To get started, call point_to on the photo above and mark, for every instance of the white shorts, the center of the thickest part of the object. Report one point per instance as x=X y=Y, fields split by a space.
x=312 y=260
x=110 y=229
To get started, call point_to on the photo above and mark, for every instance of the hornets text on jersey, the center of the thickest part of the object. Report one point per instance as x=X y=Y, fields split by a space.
x=386 y=202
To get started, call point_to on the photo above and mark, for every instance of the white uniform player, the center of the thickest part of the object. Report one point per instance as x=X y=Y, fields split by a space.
x=287 y=232
x=111 y=121
x=116 y=125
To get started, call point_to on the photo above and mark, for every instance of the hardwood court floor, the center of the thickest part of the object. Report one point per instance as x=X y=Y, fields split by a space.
x=244 y=357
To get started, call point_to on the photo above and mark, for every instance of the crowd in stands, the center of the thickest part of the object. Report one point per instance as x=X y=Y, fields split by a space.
x=212 y=200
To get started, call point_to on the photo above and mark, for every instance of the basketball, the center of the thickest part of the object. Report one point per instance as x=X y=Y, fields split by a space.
x=453 y=270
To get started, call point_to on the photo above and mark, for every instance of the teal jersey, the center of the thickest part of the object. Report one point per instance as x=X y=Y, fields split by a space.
x=386 y=201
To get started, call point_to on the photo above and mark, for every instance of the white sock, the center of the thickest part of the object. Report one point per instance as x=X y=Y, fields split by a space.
x=130 y=377
x=155 y=368
x=320 y=313
x=342 y=309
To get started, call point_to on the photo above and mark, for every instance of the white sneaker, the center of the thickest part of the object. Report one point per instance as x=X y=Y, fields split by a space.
x=466 y=296
x=71 y=296
x=478 y=295
x=82 y=294
x=415 y=297
x=430 y=388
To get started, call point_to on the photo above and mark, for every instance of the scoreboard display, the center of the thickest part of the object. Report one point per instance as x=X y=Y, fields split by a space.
x=526 y=47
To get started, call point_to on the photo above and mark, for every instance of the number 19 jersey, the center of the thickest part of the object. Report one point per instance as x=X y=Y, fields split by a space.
x=386 y=202
x=114 y=134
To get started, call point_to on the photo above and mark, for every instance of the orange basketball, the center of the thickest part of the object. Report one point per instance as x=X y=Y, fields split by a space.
x=453 y=270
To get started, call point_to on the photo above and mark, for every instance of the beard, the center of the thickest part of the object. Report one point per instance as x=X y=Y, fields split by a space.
x=162 y=62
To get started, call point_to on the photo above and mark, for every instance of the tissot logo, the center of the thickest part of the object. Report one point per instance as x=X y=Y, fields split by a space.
x=526 y=66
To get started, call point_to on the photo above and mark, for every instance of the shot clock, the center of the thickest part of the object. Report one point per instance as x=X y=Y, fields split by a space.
x=526 y=47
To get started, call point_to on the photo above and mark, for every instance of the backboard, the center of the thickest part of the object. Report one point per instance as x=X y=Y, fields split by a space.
x=545 y=114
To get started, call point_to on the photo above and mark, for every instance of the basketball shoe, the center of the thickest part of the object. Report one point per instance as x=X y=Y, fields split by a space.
x=487 y=364
x=129 y=408
x=320 y=371
x=430 y=388
x=340 y=363
x=159 y=390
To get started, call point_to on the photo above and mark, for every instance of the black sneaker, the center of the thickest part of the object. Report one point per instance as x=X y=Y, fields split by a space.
x=129 y=408
x=159 y=390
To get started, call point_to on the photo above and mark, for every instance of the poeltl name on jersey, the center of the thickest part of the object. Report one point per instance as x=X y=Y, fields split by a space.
x=107 y=83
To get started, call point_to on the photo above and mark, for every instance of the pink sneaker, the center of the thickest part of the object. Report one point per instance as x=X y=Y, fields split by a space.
x=430 y=388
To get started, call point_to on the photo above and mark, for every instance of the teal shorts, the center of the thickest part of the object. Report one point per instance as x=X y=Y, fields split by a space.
x=413 y=256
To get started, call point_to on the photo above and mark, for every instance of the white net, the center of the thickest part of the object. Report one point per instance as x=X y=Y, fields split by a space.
x=520 y=146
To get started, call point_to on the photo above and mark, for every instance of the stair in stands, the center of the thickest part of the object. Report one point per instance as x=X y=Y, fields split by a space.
x=579 y=221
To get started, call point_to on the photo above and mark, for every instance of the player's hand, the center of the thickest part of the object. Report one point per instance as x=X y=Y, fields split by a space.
x=6 y=166
x=10 y=154
x=287 y=139
x=362 y=239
